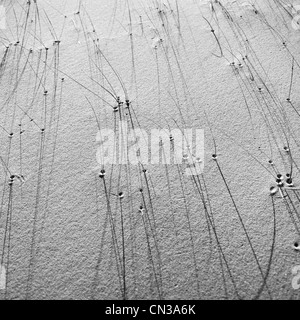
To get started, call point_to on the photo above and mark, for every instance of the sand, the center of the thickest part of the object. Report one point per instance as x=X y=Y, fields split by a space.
x=224 y=67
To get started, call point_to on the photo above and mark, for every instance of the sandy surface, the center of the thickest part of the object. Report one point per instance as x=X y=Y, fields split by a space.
x=64 y=231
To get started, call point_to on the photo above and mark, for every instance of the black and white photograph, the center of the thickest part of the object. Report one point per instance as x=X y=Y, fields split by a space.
x=150 y=151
